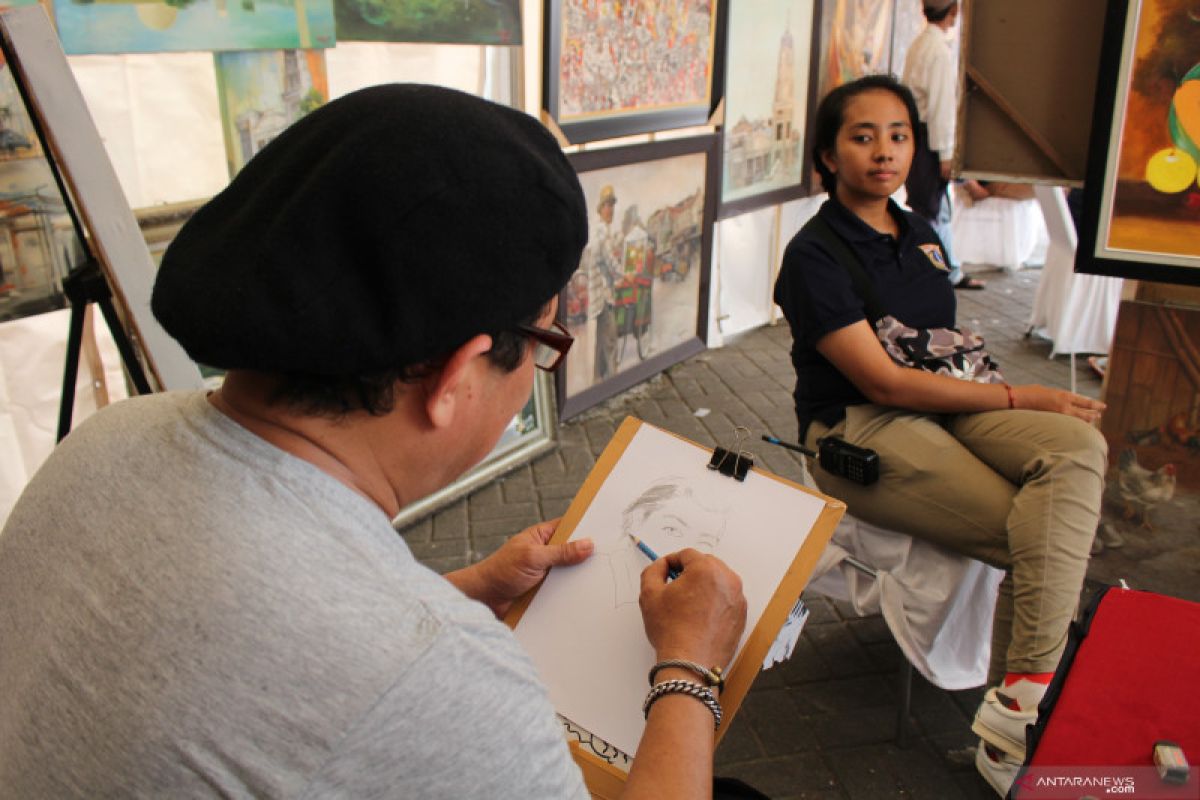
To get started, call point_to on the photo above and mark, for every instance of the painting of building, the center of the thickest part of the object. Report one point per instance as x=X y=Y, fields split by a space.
x=764 y=138
x=263 y=92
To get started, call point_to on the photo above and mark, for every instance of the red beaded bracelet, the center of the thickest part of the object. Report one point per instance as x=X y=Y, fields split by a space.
x=1012 y=400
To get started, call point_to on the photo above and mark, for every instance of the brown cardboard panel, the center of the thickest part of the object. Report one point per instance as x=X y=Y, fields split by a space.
x=1042 y=59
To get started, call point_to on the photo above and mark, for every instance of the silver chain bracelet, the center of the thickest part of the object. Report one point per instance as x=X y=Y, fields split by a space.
x=712 y=676
x=701 y=693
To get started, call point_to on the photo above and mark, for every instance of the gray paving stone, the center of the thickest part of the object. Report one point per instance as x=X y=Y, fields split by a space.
x=451 y=522
x=853 y=694
x=738 y=743
x=875 y=725
x=778 y=723
x=840 y=649
x=518 y=488
x=483 y=512
x=862 y=773
x=488 y=529
x=804 y=775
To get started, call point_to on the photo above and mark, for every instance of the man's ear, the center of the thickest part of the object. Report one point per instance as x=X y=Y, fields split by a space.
x=445 y=390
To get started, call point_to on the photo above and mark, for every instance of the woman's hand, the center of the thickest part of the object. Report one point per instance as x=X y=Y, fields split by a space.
x=518 y=566
x=700 y=615
x=1043 y=398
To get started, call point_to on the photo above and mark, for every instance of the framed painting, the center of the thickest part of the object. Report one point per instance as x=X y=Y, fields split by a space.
x=156 y=26
x=639 y=301
x=495 y=22
x=616 y=69
x=531 y=433
x=1141 y=210
x=762 y=144
x=85 y=221
x=261 y=92
x=38 y=241
x=855 y=39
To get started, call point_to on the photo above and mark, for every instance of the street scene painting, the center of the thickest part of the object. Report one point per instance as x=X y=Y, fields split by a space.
x=637 y=293
x=125 y=26
x=766 y=94
x=630 y=58
x=261 y=92
x=1152 y=185
x=494 y=22
x=38 y=246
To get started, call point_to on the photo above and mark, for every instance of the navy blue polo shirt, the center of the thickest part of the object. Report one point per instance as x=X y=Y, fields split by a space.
x=818 y=297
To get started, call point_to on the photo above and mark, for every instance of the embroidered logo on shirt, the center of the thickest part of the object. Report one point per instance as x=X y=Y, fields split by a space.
x=935 y=256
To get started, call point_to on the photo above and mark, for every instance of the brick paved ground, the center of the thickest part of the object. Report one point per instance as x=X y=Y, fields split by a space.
x=823 y=724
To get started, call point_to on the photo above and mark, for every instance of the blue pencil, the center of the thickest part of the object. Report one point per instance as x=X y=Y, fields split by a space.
x=653 y=556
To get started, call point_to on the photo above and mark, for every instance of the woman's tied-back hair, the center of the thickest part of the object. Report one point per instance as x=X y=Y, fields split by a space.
x=832 y=109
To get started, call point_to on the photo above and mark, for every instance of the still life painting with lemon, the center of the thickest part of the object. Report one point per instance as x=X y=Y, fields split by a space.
x=1156 y=199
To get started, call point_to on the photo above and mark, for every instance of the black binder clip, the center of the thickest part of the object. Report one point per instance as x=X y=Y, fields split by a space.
x=734 y=462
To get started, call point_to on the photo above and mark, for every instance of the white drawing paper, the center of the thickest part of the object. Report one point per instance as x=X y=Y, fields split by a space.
x=584 y=628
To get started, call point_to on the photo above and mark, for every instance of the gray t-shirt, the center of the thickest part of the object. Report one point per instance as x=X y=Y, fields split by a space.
x=186 y=610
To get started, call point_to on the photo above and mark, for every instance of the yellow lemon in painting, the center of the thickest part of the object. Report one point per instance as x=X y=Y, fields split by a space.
x=1171 y=170
x=157 y=16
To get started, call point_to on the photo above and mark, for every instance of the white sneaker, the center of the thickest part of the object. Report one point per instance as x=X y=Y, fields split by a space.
x=1002 y=727
x=997 y=767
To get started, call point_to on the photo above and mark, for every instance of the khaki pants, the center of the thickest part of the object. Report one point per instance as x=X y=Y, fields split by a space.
x=1019 y=490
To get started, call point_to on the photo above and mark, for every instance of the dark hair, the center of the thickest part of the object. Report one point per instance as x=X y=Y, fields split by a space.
x=831 y=111
x=937 y=16
x=335 y=396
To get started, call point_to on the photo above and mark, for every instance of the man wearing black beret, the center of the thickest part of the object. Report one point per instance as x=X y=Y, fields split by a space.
x=202 y=595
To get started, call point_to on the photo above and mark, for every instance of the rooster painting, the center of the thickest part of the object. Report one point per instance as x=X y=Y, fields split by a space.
x=1142 y=489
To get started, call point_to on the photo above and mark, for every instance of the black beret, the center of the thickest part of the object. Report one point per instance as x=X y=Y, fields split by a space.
x=382 y=230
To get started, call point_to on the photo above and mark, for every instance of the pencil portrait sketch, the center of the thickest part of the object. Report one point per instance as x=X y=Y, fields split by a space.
x=669 y=515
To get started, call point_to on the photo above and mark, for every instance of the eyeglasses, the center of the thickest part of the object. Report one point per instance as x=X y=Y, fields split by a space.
x=550 y=346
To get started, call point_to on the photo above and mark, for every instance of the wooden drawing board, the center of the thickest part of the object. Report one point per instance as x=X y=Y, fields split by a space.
x=74 y=145
x=1027 y=85
x=625 y=455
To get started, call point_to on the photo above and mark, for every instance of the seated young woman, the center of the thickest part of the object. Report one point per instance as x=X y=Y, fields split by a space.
x=1009 y=475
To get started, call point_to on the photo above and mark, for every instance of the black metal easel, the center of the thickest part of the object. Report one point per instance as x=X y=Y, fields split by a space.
x=83 y=285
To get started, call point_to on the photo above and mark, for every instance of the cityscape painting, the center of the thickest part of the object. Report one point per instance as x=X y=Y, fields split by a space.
x=638 y=302
x=763 y=143
x=261 y=92
x=614 y=69
x=38 y=245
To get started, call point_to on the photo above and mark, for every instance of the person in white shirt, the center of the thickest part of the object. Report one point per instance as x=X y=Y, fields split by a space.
x=930 y=72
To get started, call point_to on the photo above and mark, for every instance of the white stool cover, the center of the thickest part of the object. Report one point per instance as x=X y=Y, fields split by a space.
x=1075 y=311
x=937 y=603
x=999 y=232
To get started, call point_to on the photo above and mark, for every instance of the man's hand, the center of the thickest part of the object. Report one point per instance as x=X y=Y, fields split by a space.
x=518 y=566
x=700 y=615
x=945 y=169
